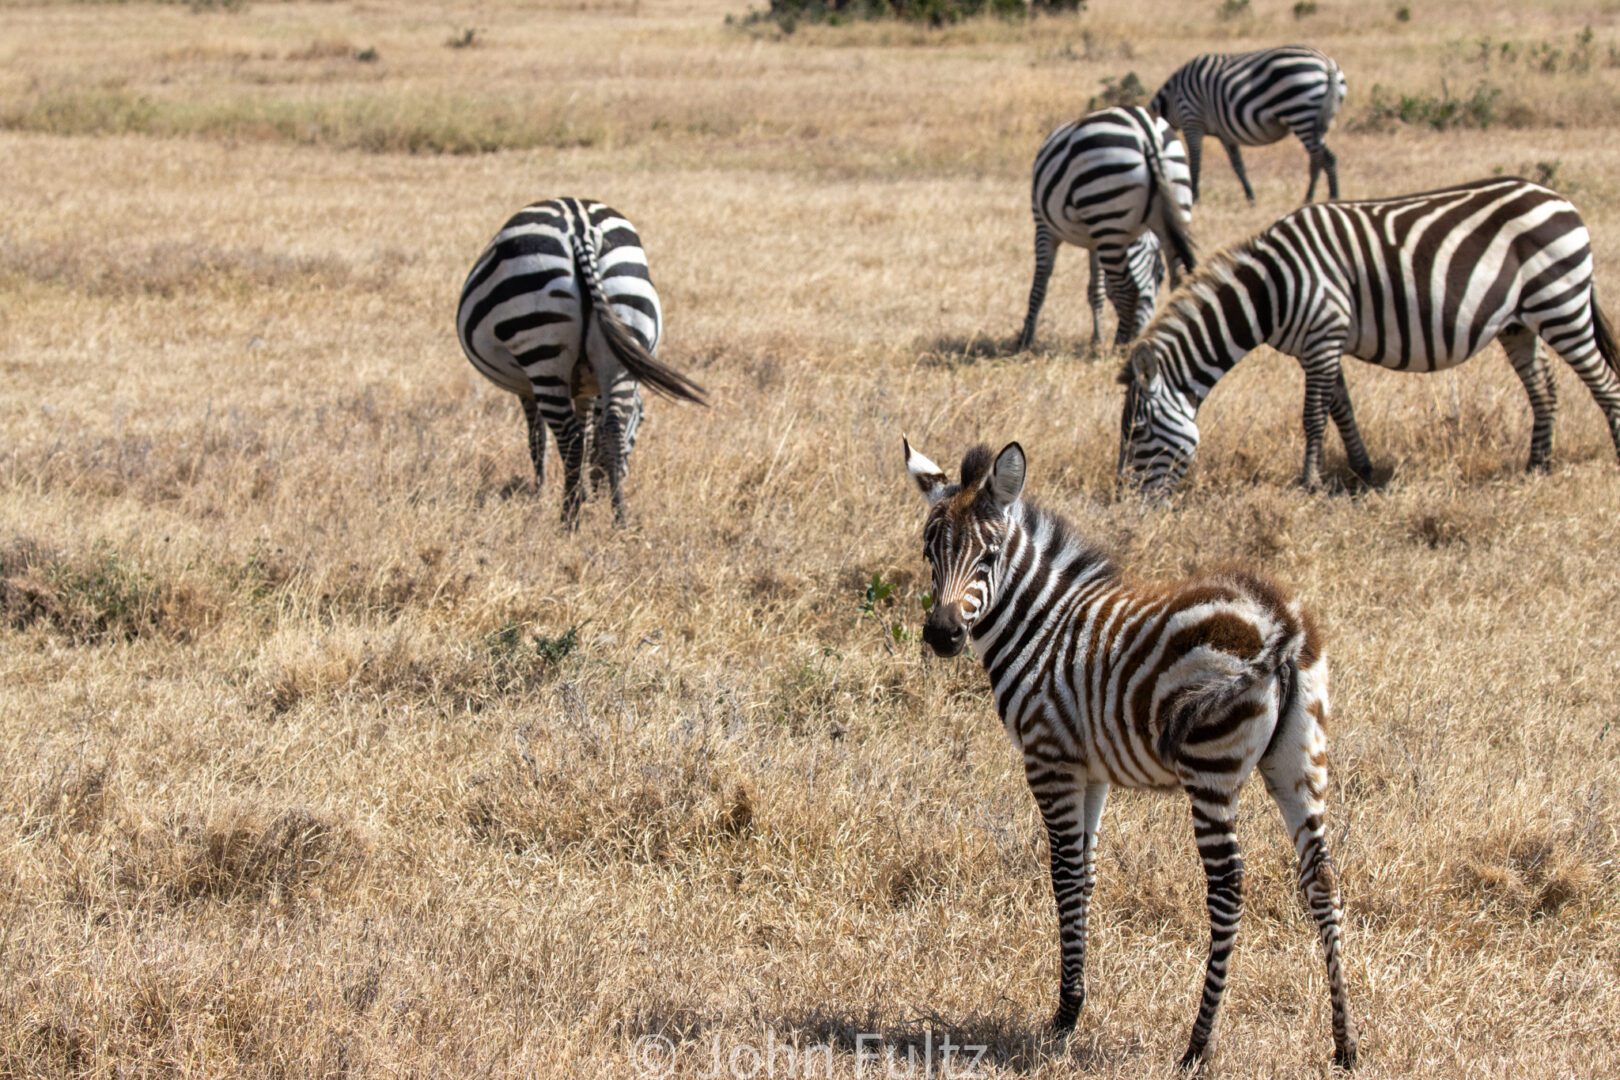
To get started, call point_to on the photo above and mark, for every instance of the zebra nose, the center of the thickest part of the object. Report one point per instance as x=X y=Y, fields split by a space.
x=946 y=638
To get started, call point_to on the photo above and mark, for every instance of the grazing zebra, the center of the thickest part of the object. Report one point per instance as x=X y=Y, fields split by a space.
x=560 y=310
x=1102 y=183
x=1415 y=283
x=1145 y=268
x=1101 y=683
x=1254 y=99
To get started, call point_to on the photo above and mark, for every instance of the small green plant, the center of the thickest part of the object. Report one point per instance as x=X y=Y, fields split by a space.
x=198 y=7
x=1121 y=92
x=1442 y=112
x=1232 y=9
x=879 y=594
x=511 y=651
x=367 y=55
x=1545 y=173
x=1403 y=14
x=467 y=38
x=1304 y=9
x=788 y=14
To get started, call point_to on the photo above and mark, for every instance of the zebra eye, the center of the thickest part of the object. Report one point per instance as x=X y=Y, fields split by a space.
x=988 y=559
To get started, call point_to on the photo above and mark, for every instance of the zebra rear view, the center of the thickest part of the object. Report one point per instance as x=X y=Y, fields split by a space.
x=1115 y=183
x=1255 y=99
x=561 y=311
x=1104 y=683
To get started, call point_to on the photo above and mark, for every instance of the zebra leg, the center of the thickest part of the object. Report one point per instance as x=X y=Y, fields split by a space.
x=1576 y=341
x=1214 y=815
x=1072 y=818
x=1322 y=374
x=1046 y=243
x=1344 y=418
x=1194 y=131
x=1523 y=352
x=1094 y=296
x=614 y=448
x=1330 y=163
x=558 y=411
x=537 y=440
x=1235 y=156
x=1295 y=771
x=1122 y=293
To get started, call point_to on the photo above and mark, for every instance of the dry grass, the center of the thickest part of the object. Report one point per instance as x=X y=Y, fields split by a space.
x=324 y=752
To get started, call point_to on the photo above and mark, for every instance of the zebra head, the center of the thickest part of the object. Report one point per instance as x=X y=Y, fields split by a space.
x=965 y=536
x=1157 y=433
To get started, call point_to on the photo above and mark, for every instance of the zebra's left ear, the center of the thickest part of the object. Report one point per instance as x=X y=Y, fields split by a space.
x=1007 y=476
x=930 y=480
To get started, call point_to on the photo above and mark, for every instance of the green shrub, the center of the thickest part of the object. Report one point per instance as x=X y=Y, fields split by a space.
x=1232 y=9
x=1304 y=9
x=1442 y=112
x=1121 y=92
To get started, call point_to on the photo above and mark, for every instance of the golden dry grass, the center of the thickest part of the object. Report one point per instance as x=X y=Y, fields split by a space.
x=301 y=775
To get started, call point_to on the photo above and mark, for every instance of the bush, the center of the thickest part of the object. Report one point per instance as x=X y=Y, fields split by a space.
x=1119 y=93
x=1442 y=112
x=789 y=13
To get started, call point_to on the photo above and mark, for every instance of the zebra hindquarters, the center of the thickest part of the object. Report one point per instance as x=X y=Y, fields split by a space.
x=1295 y=771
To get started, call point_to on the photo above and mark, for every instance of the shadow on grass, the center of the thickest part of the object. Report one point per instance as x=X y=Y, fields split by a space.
x=955 y=350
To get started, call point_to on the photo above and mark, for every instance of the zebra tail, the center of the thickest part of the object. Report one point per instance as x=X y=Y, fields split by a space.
x=1605 y=337
x=1177 y=234
x=1213 y=697
x=625 y=345
x=1330 y=99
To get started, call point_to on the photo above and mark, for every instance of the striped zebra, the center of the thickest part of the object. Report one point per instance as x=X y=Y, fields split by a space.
x=560 y=310
x=1104 y=183
x=1103 y=683
x=1254 y=99
x=1414 y=283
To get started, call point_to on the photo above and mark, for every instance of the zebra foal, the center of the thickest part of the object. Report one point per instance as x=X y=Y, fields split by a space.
x=1101 y=683
x=1255 y=99
x=1414 y=283
x=1114 y=183
x=561 y=311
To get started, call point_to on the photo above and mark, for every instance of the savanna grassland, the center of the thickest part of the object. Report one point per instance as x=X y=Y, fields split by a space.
x=324 y=751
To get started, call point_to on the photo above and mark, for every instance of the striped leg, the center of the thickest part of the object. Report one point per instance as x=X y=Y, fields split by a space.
x=1072 y=814
x=1194 y=131
x=1344 y=418
x=1574 y=339
x=1524 y=353
x=614 y=450
x=1045 y=255
x=1094 y=296
x=557 y=408
x=1123 y=293
x=1235 y=156
x=1295 y=771
x=1214 y=827
x=1322 y=377
x=537 y=440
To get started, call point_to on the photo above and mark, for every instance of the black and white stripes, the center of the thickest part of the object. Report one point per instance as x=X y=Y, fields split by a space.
x=1102 y=683
x=1414 y=283
x=1103 y=183
x=561 y=311
x=1254 y=99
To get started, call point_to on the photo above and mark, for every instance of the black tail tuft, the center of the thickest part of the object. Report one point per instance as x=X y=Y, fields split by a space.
x=626 y=346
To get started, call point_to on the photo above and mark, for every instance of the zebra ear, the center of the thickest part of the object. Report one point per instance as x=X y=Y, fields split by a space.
x=930 y=480
x=1142 y=368
x=1007 y=476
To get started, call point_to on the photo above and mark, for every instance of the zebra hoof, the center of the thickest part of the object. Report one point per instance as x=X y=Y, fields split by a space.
x=1344 y=1057
x=1063 y=1021
x=1193 y=1060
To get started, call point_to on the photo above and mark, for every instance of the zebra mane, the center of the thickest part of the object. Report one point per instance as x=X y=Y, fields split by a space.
x=976 y=465
x=1187 y=302
x=1064 y=536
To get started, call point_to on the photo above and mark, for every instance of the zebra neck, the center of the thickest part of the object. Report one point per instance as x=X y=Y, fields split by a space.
x=1223 y=316
x=1045 y=564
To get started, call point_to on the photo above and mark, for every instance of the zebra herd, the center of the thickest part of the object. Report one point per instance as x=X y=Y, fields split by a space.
x=1098 y=682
